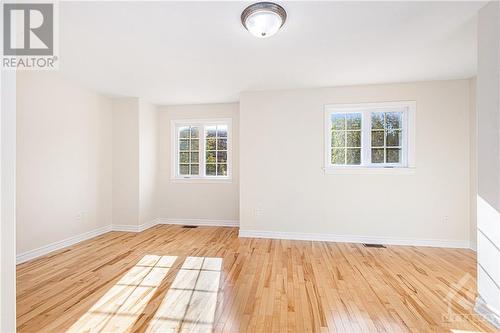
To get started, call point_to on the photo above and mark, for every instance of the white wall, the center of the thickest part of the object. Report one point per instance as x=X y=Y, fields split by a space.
x=134 y=162
x=473 y=165
x=215 y=201
x=63 y=160
x=488 y=168
x=148 y=149
x=125 y=161
x=284 y=189
x=8 y=202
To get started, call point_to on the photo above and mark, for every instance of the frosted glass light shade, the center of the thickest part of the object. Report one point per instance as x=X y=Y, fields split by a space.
x=263 y=19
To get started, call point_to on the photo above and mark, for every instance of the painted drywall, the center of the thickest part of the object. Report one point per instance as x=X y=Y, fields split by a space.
x=488 y=167
x=193 y=200
x=134 y=162
x=126 y=161
x=8 y=202
x=63 y=159
x=473 y=165
x=148 y=149
x=283 y=187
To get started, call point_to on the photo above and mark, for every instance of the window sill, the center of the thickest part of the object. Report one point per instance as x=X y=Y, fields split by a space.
x=369 y=171
x=201 y=180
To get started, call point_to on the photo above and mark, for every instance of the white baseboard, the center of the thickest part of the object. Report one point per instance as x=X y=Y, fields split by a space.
x=41 y=251
x=354 y=239
x=200 y=222
x=135 y=228
x=487 y=312
x=32 y=254
x=125 y=227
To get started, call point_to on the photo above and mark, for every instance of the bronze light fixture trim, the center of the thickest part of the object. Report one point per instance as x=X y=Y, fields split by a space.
x=263 y=19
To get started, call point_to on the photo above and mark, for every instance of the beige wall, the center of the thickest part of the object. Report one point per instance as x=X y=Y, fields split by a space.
x=473 y=165
x=126 y=161
x=8 y=201
x=134 y=162
x=63 y=160
x=148 y=139
x=284 y=189
x=215 y=201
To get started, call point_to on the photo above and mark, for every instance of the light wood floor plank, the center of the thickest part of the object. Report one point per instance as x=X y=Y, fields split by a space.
x=171 y=279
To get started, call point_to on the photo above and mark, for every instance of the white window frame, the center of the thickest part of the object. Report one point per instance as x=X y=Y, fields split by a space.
x=202 y=123
x=407 y=164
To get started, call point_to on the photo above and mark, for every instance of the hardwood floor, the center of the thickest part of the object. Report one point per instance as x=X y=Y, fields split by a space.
x=170 y=279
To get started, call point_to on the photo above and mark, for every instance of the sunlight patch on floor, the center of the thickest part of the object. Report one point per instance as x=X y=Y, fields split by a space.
x=190 y=303
x=119 y=308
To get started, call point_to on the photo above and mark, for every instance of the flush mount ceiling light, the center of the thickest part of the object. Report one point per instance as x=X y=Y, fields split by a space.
x=263 y=19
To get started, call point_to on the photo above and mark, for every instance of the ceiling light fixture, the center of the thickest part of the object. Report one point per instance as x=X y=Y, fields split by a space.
x=263 y=19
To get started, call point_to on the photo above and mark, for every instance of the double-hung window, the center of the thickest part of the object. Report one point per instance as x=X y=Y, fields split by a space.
x=201 y=149
x=369 y=136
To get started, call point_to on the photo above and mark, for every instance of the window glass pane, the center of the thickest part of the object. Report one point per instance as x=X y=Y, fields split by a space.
x=222 y=156
x=222 y=130
x=210 y=157
x=393 y=138
x=210 y=170
x=353 y=156
x=211 y=131
x=338 y=121
x=195 y=169
x=353 y=121
x=194 y=158
x=393 y=155
x=184 y=157
x=222 y=169
x=184 y=169
x=377 y=120
x=211 y=144
x=216 y=150
x=221 y=144
x=184 y=144
x=393 y=120
x=353 y=139
x=338 y=156
x=184 y=132
x=377 y=138
x=195 y=144
x=378 y=155
x=338 y=138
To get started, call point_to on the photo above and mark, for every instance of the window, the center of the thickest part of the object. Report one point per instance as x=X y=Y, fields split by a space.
x=369 y=136
x=201 y=149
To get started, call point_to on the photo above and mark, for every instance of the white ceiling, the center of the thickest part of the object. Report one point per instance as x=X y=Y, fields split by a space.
x=198 y=52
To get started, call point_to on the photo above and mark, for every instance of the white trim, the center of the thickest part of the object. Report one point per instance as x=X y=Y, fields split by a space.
x=355 y=239
x=41 y=251
x=202 y=123
x=125 y=227
x=135 y=228
x=408 y=108
x=370 y=171
x=205 y=180
x=483 y=308
x=200 y=222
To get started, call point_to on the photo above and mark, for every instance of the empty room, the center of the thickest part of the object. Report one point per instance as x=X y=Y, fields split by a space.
x=227 y=166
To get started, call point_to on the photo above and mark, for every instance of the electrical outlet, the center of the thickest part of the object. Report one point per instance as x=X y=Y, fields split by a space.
x=80 y=216
x=258 y=212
